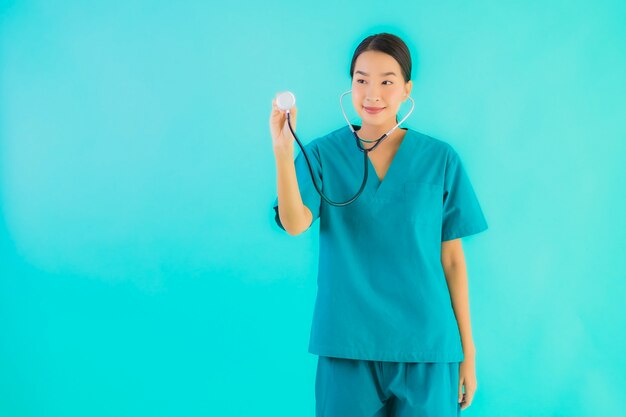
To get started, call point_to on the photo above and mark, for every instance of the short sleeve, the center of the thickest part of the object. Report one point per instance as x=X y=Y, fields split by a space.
x=309 y=194
x=462 y=214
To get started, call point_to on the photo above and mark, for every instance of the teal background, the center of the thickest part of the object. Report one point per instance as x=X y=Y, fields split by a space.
x=141 y=270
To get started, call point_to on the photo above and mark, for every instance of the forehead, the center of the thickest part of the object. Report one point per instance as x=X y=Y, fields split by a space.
x=376 y=63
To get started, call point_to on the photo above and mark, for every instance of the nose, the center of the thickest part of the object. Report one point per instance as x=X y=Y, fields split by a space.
x=372 y=94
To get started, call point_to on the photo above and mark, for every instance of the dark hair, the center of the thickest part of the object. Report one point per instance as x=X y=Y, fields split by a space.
x=389 y=44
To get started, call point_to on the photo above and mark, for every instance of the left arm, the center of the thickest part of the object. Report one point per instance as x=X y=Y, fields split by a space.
x=453 y=262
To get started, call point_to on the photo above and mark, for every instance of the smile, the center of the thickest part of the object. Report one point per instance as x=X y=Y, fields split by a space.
x=373 y=110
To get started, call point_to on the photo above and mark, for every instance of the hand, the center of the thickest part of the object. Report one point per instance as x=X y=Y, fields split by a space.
x=279 y=127
x=467 y=378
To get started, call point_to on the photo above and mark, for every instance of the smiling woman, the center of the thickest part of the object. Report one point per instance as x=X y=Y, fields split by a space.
x=381 y=80
x=391 y=319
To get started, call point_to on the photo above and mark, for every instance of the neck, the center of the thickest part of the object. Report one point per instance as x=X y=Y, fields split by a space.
x=373 y=132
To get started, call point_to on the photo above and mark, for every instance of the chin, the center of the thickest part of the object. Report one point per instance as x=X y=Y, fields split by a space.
x=373 y=120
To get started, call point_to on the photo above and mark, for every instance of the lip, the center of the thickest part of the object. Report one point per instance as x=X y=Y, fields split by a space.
x=373 y=110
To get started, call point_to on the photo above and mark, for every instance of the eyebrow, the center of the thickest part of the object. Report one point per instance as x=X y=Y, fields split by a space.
x=383 y=74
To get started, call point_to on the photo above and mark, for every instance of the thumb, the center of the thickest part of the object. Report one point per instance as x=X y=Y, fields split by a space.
x=460 y=391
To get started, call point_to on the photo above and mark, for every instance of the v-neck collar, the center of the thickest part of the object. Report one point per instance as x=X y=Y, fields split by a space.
x=390 y=183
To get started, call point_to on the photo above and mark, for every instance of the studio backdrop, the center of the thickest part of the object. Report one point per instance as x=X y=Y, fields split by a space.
x=142 y=272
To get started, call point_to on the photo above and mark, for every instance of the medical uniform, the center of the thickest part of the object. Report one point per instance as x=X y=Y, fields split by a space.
x=382 y=298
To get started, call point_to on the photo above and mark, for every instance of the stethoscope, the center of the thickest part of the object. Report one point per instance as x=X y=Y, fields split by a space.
x=286 y=100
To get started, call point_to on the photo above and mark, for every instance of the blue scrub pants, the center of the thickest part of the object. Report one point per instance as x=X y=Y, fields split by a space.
x=364 y=388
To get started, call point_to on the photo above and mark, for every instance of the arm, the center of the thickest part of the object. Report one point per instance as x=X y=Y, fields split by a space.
x=294 y=215
x=453 y=262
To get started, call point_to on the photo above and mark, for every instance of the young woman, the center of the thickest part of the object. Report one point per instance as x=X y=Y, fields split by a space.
x=391 y=324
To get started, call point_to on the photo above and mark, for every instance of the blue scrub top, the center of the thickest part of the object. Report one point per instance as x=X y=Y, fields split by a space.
x=382 y=293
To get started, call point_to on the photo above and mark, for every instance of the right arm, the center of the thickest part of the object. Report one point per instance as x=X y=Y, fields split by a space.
x=294 y=215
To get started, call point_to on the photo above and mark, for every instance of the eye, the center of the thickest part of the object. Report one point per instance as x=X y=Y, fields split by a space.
x=387 y=81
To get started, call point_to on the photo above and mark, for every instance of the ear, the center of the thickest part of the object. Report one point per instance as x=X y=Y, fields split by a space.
x=407 y=88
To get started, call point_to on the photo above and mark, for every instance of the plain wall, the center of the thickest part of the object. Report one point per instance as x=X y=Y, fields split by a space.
x=141 y=270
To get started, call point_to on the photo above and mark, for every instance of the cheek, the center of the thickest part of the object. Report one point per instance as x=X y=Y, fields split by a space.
x=395 y=102
x=395 y=96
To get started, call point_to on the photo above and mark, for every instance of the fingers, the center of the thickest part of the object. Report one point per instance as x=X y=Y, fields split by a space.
x=278 y=118
x=275 y=108
x=465 y=398
x=467 y=401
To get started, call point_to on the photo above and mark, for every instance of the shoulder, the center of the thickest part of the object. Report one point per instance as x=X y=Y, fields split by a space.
x=435 y=147
x=330 y=140
x=335 y=136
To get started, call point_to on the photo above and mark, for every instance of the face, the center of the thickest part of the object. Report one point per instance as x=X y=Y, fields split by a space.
x=371 y=87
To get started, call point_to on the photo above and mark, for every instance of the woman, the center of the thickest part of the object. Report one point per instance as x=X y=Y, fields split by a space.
x=391 y=324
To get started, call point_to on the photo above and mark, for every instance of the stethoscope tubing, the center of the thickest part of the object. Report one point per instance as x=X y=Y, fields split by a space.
x=359 y=146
